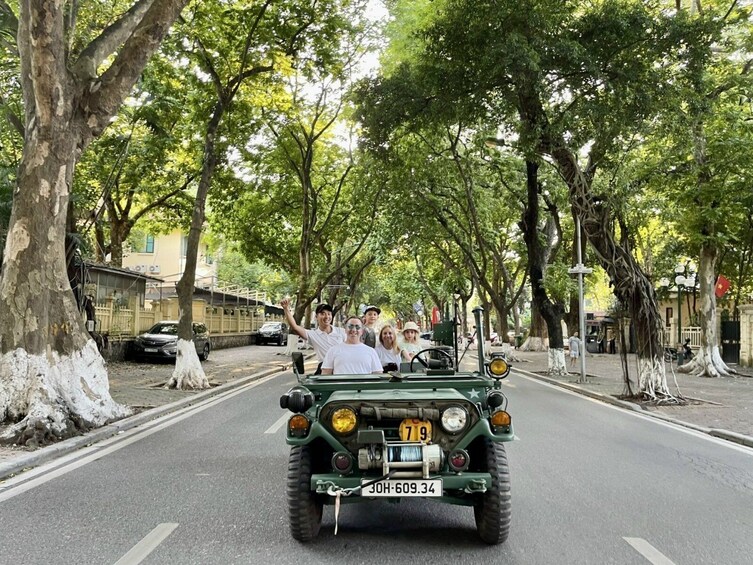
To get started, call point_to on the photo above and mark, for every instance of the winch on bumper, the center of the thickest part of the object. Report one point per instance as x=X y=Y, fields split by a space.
x=408 y=469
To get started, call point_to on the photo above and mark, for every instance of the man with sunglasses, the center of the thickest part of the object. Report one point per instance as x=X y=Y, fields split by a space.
x=351 y=357
x=323 y=337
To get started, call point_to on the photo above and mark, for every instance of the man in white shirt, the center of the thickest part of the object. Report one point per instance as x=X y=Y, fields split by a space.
x=351 y=357
x=323 y=337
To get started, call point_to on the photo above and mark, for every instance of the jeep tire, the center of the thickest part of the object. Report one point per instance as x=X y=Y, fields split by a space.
x=304 y=507
x=493 y=509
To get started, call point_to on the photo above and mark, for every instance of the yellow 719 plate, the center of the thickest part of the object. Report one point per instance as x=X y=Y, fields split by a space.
x=412 y=429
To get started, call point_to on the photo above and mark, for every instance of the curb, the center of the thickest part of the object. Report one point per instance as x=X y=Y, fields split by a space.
x=54 y=451
x=715 y=432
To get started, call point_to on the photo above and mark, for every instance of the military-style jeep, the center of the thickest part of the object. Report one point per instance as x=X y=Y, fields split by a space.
x=428 y=431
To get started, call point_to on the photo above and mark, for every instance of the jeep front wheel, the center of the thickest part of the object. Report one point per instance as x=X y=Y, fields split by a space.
x=304 y=508
x=493 y=509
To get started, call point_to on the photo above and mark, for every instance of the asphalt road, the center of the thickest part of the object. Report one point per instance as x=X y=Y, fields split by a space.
x=591 y=484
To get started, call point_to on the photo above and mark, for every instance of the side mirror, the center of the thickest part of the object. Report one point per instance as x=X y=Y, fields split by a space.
x=298 y=363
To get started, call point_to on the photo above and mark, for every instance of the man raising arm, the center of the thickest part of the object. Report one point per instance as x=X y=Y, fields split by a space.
x=323 y=337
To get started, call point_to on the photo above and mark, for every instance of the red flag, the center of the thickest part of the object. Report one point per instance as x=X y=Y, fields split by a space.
x=435 y=315
x=722 y=286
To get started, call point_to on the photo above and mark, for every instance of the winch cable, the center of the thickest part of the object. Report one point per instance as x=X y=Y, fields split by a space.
x=332 y=490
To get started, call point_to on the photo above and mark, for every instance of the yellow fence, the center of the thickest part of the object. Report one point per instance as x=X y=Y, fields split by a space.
x=125 y=322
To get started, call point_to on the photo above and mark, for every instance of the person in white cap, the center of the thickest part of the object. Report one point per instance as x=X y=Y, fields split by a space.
x=410 y=341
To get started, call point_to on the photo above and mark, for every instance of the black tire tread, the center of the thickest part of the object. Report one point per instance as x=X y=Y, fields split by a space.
x=493 y=512
x=304 y=510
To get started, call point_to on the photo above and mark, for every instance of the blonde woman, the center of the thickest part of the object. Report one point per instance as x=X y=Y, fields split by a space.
x=388 y=350
x=411 y=346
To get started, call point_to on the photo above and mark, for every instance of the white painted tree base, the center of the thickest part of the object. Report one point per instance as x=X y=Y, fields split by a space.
x=535 y=344
x=510 y=353
x=188 y=373
x=53 y=396
x=557 y=367
x=291 y=346
x=652 y=380
x=707 y=363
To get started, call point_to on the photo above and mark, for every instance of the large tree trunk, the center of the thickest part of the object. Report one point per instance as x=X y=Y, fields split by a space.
x=631 y=286
x=53 y=381
x=538 y=257
x=708 y=362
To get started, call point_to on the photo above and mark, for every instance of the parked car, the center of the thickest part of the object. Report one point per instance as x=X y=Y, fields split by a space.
x=272 y=332
x=161 y=341
x=433 y=431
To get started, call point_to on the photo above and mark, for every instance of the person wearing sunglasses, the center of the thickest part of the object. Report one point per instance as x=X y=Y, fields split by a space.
x=323 y=337
x=351 y=357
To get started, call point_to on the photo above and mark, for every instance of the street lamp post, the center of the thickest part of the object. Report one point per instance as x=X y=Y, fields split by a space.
x=683 y=284
x=580 y=269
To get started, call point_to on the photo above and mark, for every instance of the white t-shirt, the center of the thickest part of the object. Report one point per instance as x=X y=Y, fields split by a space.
x=387 y=356
x=352 y=359
x=322 y=341
x=410 y=349
x=574 y=344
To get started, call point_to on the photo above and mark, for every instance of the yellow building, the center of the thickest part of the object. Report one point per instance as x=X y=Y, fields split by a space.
x=164 y=256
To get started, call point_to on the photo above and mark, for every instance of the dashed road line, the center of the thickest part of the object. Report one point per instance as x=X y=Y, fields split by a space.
x=278 y=424
x=149 y=543
x=648 y=551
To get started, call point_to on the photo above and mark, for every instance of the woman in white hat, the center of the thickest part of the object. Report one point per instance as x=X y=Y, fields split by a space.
x=410 y=341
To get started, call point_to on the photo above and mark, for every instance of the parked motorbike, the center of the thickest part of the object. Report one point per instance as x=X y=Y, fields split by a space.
x=670 y=353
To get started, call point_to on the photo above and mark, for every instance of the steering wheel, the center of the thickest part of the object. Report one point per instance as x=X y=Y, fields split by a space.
x=417 y=357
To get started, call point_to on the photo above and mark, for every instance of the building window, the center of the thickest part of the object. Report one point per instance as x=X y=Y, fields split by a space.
x=669 y=316
x=145 y=245
x=183 y=246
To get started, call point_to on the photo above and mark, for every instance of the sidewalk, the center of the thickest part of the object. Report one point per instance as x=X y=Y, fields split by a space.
x=722 y=407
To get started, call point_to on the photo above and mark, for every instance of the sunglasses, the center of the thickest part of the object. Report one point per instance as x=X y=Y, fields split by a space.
x=354 y=326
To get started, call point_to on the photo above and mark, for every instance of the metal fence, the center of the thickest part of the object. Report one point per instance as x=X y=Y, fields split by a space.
x=117 y=321
x=693 y=333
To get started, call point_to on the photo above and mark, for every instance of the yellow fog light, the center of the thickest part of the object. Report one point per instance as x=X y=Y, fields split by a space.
x=298 y=425
x=497 y=368
x=501 y=419
x=344 y=420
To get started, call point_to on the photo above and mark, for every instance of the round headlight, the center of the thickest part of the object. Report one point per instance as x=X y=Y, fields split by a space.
x=344 y=420
x=454 y=419
x=498 y=367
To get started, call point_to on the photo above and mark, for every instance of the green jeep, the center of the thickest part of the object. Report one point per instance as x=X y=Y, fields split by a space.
x=431 y=431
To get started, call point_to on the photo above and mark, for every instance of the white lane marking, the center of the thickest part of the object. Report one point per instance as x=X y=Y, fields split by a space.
x=278 y=424
x=150 y=542
x=508 y=384
x=649 y=551
x=131 y=436
x=678 y=427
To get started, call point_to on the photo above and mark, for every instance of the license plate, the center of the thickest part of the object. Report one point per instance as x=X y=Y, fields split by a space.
x=403 y=487
x=412 y=429
x=154 y=350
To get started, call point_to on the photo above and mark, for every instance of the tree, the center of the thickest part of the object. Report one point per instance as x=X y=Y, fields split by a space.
x=715 y=118
x=570 y=83
x=52 y=379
